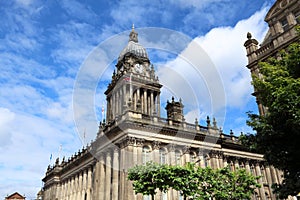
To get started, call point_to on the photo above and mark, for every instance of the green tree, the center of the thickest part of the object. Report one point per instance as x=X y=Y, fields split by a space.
x=184 y=179
x=193 y=182
x=278 y=131
x=223 y=184
x=150 y=177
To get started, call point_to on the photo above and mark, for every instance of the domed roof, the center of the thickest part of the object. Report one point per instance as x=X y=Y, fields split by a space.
x=133 y=47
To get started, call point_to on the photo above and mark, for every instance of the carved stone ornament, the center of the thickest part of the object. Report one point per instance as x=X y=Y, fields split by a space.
x=139 y=142
x=130 y=140
x=156 y=145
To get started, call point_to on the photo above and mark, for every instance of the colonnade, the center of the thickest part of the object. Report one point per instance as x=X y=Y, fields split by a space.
x=107 y=179
x=78 y=186
x=146 y=101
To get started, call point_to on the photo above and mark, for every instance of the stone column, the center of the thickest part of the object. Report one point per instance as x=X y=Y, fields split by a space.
x=220 y=161
x=134 y=155
x=279 y=175
x=155 y=151
x=247 y=166
x=225 y=163
x=84 y=184
x=75 y=186
x=115 y=181
x=117 y=103
x=269 y=180
x=134 y=100
x=145 y=102
x=172 y=154
x=236 y=164
x=124 y=100
x=138 y=94
x=158 y=104
x=58 y=191
x=108 y=175
x=122 y=172
x=127 y=162
x=68 y=189
x=151 y=103
x=139 y=149
x=101 y=186
x=113 y=106
x=89 y=183
x=110 y=116
x=62 y=190
x=148 y=105
x=202 y=160
x=274 y=175
x=96 y=181
x=79 y=186
x=261 y=189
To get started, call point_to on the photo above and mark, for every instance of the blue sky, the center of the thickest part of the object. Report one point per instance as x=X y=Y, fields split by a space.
x=43 y=45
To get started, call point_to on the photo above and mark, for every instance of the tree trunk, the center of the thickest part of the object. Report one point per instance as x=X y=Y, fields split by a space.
x=152 y=196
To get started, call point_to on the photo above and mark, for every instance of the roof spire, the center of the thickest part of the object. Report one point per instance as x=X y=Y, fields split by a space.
x=133 y=36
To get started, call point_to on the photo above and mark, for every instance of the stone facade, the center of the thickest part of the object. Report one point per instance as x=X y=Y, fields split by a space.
x=282 y=18
x=134 y=133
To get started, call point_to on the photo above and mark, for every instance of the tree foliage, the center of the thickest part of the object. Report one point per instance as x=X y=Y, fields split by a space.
x=150 y=177
x=278 y=131
x=193 y=182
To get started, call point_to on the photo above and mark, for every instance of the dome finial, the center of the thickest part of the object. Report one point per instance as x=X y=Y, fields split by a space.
x=249 y=36
x=133 y=36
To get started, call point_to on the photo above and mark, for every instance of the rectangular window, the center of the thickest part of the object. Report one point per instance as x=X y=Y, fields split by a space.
x=297 y=17
x=284 y=24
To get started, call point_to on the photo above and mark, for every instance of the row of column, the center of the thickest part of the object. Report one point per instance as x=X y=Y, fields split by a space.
x=149 y=101
x=106 y=180
x=268 y=174
x=77 y=187
x=142 y=100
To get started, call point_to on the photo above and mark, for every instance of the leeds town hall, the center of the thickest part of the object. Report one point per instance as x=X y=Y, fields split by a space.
x=134 y=131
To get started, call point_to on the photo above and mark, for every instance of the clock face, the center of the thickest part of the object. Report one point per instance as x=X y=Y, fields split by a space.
x=139 y=68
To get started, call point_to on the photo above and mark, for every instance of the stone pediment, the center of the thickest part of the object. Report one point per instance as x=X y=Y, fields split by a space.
x=277 y=8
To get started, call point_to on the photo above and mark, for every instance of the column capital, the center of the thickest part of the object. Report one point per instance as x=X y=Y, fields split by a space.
x=186 y=149
x=155 y=145
x=139 y=142
x=130 y=141
x=171 y=147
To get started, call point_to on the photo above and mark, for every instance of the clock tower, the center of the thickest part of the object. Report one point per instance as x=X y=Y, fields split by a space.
x=134 y=85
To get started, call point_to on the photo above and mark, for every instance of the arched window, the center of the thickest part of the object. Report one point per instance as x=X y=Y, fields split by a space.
x=162 y=156
x=146 y=154
x=177 y=157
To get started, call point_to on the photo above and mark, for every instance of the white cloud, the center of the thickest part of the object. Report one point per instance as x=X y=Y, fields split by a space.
x=31 y=141
x=207 y=82
x=225 y=47
x=6 y=121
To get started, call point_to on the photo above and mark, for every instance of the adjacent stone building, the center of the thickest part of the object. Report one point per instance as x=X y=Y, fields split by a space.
x=282 y=18
x=15 y=196
x=135 y=133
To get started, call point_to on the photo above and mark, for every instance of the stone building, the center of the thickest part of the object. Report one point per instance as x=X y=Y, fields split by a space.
x=15 y=196
x=282 y=18
x=135 y=133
